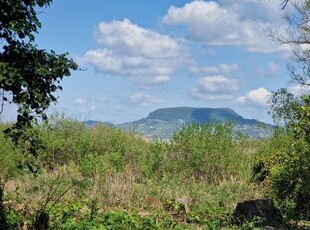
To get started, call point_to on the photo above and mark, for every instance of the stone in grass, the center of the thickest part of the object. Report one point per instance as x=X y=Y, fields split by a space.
x=259 y=208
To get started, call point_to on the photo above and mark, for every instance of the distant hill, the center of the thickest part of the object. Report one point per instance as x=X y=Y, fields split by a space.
x=90 y=123
x=162 y=123
x=199 y=115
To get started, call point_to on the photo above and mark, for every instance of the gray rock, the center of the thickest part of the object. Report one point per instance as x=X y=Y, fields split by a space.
x=263 y=208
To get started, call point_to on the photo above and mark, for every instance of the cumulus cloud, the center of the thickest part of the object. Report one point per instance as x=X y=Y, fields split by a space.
x=130 y=39
x=218 y=84
x=261 y=11
x=143 y=99
x=254 y=98
x=215 y=88
x=151 y=82
x=219 y=69
x=226 y=24
x=129 y=50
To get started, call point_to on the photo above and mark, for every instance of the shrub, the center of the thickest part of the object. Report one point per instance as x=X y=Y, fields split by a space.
x=207 y=152
x=206 y=165
x=284 y=162
x=151 y=161
x=93 y=149
x=10 y=157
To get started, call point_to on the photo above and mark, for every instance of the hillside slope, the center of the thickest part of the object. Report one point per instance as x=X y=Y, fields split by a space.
x=162 y=123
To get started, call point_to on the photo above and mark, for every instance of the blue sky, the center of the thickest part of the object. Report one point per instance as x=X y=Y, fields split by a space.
x=142 y=55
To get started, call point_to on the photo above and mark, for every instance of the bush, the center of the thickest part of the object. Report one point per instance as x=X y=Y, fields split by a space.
x=205 y=165
x=10 y=157
x=207 y=152
x=73 y=217
x=93 y=149
x=283 y=164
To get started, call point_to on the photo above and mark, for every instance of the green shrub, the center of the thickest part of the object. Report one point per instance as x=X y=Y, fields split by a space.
x=72 y=217
x=207 y=152
x=283 y=164
x=93 y=149
x=151 y=161
x=10 y=157
x=120 y=171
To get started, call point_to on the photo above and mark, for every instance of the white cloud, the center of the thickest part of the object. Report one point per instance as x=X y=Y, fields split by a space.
x=143 y=99
x=218 y=84
x=215 y=88
x=196 y=93
x=132 y=40
x=254 y=98
x=80 y=101
x=227 y=24
x=219 y=69
x=93 y=107
x=129 y=50
x=151 y=82
x=254 y=10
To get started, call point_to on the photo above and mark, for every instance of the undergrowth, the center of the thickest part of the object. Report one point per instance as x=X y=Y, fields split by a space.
x=104 y=178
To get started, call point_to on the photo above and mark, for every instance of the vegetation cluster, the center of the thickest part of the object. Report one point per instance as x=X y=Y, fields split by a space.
x=62 y=175
x=104 y=178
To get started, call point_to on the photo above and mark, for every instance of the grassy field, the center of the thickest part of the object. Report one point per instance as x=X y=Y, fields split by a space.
x=104 y=178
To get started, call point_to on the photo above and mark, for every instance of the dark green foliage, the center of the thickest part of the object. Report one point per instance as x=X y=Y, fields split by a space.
x=9 y=219
x=69 y=217
x=3 y=221
x=284 y=162
x=19 y=18
x=29 y=76
x=13 y=219
x=123 y=220
x=41 y=221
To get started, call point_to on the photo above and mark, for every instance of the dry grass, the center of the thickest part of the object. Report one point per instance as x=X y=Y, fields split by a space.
x=127 y=189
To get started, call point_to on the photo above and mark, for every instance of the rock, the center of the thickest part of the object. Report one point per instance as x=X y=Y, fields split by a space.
x=41 y=222
x=263 y=208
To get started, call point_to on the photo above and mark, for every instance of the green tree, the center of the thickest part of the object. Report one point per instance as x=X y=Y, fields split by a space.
x=286 y=160
x=29 y=76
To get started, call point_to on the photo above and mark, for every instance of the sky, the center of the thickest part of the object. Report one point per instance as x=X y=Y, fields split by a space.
x=137 y=56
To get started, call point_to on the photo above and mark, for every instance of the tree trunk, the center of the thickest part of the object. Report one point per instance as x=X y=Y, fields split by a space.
x=3 y=222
